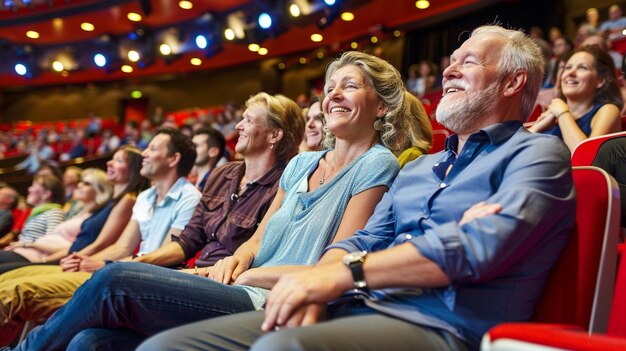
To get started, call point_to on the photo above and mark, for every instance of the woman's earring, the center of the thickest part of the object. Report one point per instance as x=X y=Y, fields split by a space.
x=378 y=124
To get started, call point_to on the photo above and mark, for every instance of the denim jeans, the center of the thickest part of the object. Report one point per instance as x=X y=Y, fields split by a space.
x=141 y=298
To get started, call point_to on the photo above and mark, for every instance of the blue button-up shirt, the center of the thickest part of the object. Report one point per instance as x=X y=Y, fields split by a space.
x=497 y=265
x=172 y=212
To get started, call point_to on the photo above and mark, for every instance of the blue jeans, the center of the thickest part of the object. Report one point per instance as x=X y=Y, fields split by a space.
x=140 y=299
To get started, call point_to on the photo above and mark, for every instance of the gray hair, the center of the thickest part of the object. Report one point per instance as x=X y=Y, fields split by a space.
x=519 y=53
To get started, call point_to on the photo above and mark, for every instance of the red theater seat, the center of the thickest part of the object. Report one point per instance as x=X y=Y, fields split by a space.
x=577 y=298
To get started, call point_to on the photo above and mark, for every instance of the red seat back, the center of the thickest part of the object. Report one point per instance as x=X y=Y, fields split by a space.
x=617 y=319
x=586 y=152
x=580 y=286
x=439 y=140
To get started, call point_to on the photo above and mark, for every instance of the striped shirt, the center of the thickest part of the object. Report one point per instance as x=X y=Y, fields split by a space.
x=40 y=225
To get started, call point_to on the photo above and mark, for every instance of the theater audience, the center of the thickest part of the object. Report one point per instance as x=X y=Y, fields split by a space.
x=9 y=199
x=162 y=211
x=38 y=152
x=47 y=196
x=93 y=192
x=210 y=145
x=71 y=178
x=313 y=132
x=364 y=106
x=615 y=24
x=109 y=142
x=591 y=99
x=104 y=227
x=546 y=95
x=433 y=271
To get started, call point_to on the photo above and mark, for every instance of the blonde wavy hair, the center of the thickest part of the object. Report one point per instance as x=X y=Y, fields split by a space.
x=394 y=132
x=103 y=188
x=418 y=124
x=282 y=113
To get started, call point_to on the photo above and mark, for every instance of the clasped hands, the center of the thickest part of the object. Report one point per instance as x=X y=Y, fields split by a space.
x=75 y=262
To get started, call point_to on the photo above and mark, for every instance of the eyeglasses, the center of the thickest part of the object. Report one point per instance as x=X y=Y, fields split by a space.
x=85 y=183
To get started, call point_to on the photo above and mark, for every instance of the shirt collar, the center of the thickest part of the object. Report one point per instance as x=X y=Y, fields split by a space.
x=495 y=133
x=267 y=179
x=174 y=193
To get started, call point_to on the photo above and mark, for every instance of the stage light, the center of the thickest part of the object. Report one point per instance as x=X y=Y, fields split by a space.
x=58 y=66
x=133 y=56
x=87 y=27
x=127 y=69
x=262 y=51
x=422 y=4
x=316 y=37
x=254 y=47
x=294 y=10
x=185 y=5
x=100 y=60
x=201 y=41
x=347 y=16
x=21 y=69
x=329 y=2
x=165 y=49
x=354 y=45
x=229 y=34
x=136 y=94
x=374 y=39
x=302 y=60
x=195 y=61
x=32 y=34
x=133 y=16
x=265 y=20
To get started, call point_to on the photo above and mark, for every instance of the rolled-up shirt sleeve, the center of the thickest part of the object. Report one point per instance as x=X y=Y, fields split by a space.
x=536 y=196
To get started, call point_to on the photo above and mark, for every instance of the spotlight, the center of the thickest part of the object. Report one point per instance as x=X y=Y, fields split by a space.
x=294 y=10
x=58 y=66
x=133 y=56
x=229 y=34
x=201 y=41
x=100 y=60
x=265 y=20
x=165 y=49
x=21 y=69
x=329 y=2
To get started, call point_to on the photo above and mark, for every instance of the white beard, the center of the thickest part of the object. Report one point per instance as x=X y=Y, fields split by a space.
x=460 y=115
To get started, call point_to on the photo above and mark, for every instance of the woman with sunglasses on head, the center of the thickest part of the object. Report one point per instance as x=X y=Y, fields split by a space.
x=93 y=192
x=97 y=232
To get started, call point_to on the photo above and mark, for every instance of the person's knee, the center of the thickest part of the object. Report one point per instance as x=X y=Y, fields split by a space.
x=111 y=274
x=288 y=340
x=85 y=340
x=161 y=341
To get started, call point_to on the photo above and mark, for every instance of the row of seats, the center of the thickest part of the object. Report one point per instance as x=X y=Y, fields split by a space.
x=584 y=305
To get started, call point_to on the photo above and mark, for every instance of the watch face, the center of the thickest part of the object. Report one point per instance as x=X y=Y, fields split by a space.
x=354 y=256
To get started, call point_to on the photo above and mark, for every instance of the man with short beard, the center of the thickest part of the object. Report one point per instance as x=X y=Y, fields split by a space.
x=463 y=240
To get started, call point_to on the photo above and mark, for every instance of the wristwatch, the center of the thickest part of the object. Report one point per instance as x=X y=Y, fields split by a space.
x=354 y=260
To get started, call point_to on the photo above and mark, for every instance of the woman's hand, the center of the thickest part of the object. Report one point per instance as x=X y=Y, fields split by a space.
x=544 y=122
x=70 y=263
x=558 y=107
x=228 y=269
